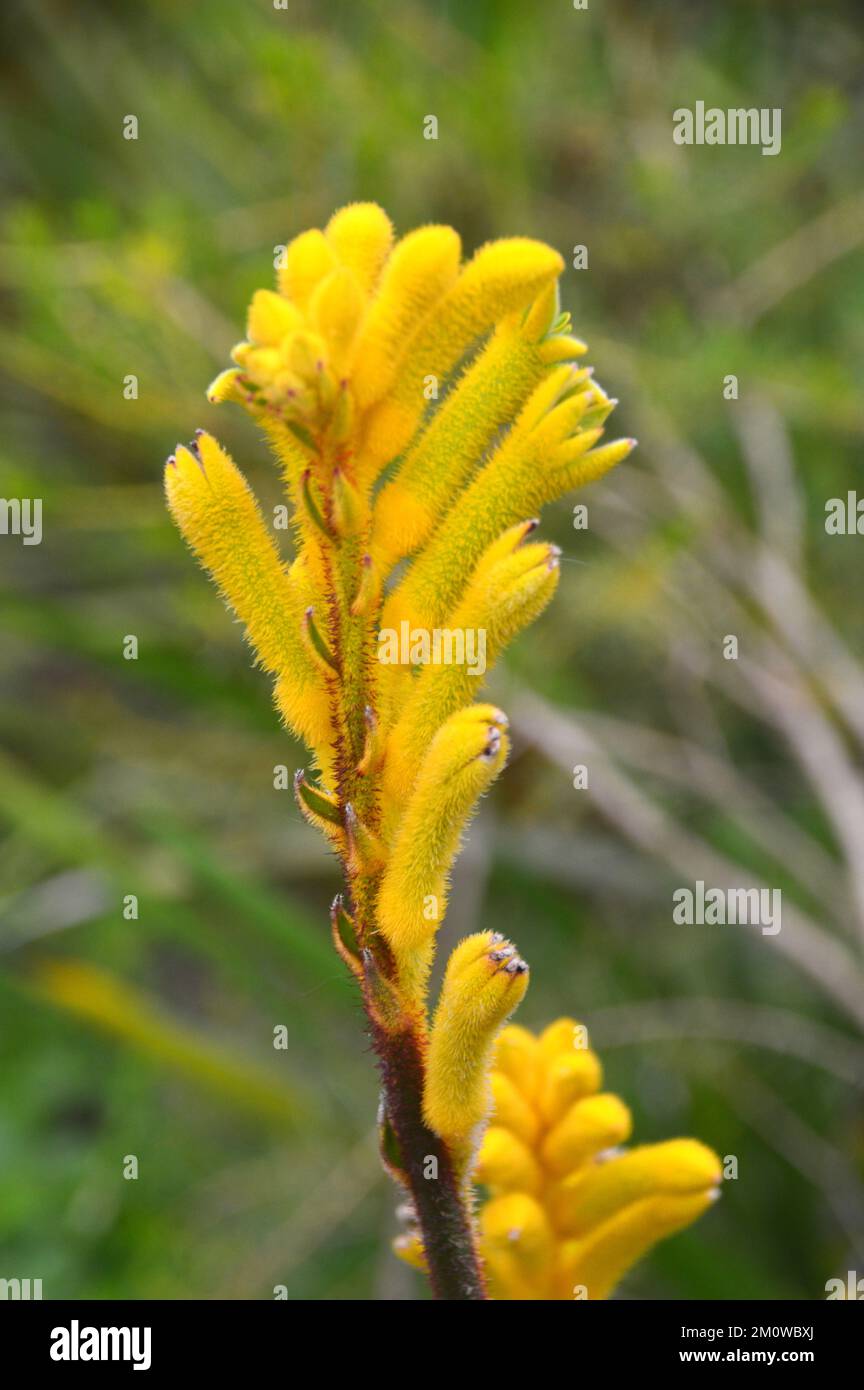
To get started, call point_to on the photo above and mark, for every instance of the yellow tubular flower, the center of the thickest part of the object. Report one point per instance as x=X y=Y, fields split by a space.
x=529 y=468
x=213 y=506
x=421 y=412
x=465 y=756
x=485 y=980
x=503 y=277
x=490 y=394
x=421 y=269
x=518 y=1244
x=361 y=236
x=552 y=1146
x=502 y=597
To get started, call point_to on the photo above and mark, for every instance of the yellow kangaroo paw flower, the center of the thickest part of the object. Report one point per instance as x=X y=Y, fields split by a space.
x=219 y=517
x=270 y=318
x=501 y=599
x=464 y=380
x=227 y=387
x=336 y=308
x=597 y=1123
x=484 y=981
x=463 y=759
x=505 y=1163
x=570 y=1077
x=676 y=1168
x=422 y=267
x=605 y=1206
x=518 y=1244
x=308 y=258
x=562 y=349
x=503 y=277
x=360 y=236
x=597 y=1263
x=513 y=484
x=513 y=1110
x=517 y=1057
x=490 y=394
x=588 y=467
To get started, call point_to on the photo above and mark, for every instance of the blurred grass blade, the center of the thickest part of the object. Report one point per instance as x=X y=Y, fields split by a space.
x=130 y=1015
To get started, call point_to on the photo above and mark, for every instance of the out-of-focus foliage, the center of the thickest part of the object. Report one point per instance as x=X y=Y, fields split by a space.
x=155 y=777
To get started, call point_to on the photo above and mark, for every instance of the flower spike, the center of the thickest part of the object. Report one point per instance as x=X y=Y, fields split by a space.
x=421 y=411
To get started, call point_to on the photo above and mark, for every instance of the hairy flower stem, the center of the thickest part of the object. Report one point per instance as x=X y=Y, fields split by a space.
x=442 y=1211
x=440 y=1202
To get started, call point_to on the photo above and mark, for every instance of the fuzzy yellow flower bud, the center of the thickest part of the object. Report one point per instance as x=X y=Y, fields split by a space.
x=466 y=754
x=488 y=397
x=501 y=598
x=308 y=259
x=589 y=1126
x=517 y=1058
x=421 y=269
x=219 y=517
x=676 y=1168
x=526 y=470
x=484 y=981
x=593 y=1266
x=503 y=277
x=270 y=318
x=513 y=1110
x=506 y=1164
x=518 y=1244
x=360 y=236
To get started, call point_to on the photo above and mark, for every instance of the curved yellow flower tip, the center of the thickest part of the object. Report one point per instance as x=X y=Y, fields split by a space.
x=227 y=387
x=488 y=397
x=360 y=236
x=520 y=477
x=484 y=981
x=676 y=1168
x=587 y=467
x=517 y=1056
x=505 y=1162
x=422 y=267
x=501 y=600
x=589 y=1126
x=308 y=258
x=570 y=1070
x=503 y=277
x=512 y=1108
x=570 y=1077
x=465 y=756
x=336 y=308
x=270 y=317
x=213 y=506
x=591 y=1267
x=518 y=1246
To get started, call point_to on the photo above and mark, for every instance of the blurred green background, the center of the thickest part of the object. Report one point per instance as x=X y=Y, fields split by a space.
x=153 y=1036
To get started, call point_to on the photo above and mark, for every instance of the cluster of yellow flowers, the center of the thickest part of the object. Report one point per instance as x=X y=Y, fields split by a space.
x=422 y=412
x=570 y=1212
